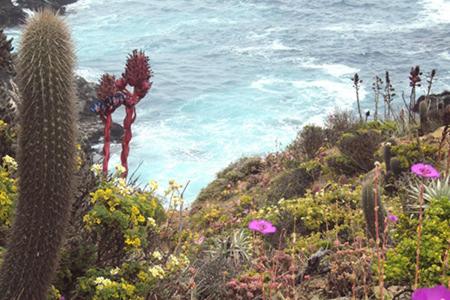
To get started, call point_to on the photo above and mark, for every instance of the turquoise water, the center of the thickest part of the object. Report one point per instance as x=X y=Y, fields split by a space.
x=235 y=77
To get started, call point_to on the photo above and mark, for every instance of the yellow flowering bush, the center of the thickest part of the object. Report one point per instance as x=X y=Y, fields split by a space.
x=122 y=217
x=8 y=190
x=133 y=280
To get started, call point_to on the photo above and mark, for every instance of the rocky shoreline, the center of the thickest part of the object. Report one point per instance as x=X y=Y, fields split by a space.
x=12 y=12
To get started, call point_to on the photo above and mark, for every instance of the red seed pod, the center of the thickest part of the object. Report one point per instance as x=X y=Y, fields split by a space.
x=137 y=69
x=121 y=83
x=107 y=87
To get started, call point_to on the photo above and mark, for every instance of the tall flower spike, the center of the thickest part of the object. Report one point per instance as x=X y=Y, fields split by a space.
x=137 y=71
x=137 y=74
x=107 y=87
x=105 y=92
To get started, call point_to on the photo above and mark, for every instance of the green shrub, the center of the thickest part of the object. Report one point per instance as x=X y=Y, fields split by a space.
x=309 y=140
x=360 y=147
x=289 y=184
x=401 y=260
x=341 y=165
x=410 y=153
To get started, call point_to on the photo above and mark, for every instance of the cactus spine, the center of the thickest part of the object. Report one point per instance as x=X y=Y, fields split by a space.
x=370 y=204
x=46 y=158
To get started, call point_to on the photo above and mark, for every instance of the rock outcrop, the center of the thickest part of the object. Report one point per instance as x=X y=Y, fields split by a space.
x=12 y=11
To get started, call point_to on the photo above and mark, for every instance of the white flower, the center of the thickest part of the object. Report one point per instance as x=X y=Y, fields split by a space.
x=157 y=271
x=151 y=221
x=96 y=169
x=157 y=255
x=9 y=162
x=115 y=271
x=120 y=170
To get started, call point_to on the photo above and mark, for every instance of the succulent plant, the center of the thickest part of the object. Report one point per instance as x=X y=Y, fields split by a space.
x=46 y=157
x=435 y=189
x=373 y=210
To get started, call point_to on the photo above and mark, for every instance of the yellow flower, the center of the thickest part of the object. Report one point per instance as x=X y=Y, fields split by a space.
x=133 y=242
x=142 y=276
x=153 y=185
x=134 y=210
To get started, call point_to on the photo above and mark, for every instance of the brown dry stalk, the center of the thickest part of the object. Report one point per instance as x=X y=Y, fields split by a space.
x=419 y=235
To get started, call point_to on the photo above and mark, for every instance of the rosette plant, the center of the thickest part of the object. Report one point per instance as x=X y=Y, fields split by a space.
x=113 y=93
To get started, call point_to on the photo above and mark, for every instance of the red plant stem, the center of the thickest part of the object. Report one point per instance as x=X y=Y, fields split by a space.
x=107 y=141
x=127 y=135
x=419 y=235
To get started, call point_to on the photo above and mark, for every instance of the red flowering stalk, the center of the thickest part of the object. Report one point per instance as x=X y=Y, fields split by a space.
x=108 y=101
x=137 y=74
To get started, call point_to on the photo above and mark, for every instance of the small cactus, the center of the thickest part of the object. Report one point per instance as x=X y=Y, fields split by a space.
x=387 y=154
x=371 y=203
x=396 y=167
x=423 y=114
x=46 y=157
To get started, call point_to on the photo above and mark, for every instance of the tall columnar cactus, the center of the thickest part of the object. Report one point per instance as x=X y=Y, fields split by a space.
x=371 y=202
x=396 y=167
x=46 y=158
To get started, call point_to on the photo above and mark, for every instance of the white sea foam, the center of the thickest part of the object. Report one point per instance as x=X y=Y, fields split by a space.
x=80 y=5
x=336 y=70
x=29 y=12
x=436 y=11
x=262 y=83
x=445 y=55
x=262 y=50
x=89 y=74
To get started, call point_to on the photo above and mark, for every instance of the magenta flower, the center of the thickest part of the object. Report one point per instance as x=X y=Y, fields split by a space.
x=392 y=218
x=438 y=292
x=262 y=226
x=424 y=170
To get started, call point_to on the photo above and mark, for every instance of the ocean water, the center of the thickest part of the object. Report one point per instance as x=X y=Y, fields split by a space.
x=240 y=77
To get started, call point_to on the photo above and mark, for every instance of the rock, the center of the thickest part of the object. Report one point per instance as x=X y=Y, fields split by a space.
x=13 y=14
x=10 y=15
x=90 y=125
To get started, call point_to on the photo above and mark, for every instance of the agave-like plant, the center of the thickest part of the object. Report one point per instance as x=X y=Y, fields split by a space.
x=237 y=247
x=435 y=189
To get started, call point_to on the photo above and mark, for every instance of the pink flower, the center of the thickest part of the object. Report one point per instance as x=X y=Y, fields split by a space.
x=392 y=218
x=424 y=170
x=262 y=226
x=438 y=292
